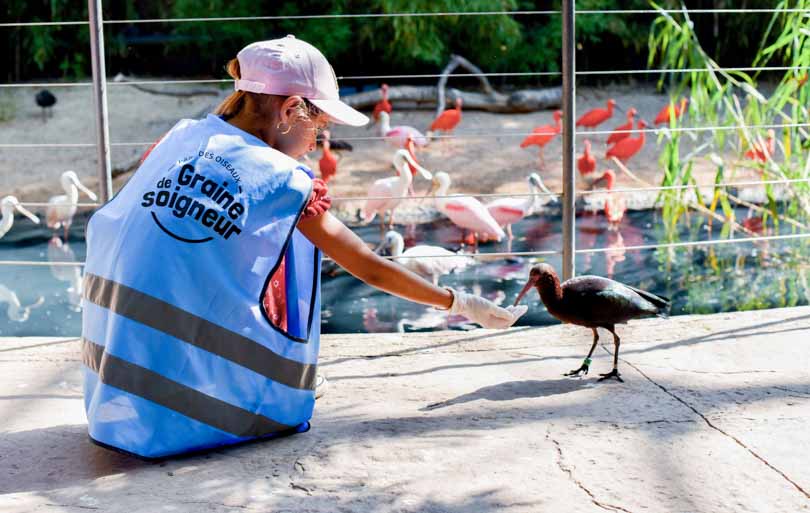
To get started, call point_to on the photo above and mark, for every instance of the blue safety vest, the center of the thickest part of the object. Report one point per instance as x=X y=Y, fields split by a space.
x=179 y=353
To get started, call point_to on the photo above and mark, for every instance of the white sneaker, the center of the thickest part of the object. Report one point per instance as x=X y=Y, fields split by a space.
x=321 y=384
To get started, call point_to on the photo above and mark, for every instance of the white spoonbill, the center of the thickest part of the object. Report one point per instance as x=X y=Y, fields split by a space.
x=62 y=208
x=386 y=193
x=465 y=212
x=429 y=261
x=398 y=135
x=7 y=206
x=507 y=211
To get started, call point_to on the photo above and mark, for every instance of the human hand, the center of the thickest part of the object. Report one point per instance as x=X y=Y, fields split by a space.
x=485 y=312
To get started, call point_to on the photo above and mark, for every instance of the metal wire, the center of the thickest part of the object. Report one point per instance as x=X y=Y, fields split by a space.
x=691 y=11
x=451 y=136
x=424 y=75
x=583 y=192
x=515 y=195
x=505 y=253
x=39 y=263
x=44 y=23
x=409 y=14
x=509 y=195
x=699 y=243
x=45 y=204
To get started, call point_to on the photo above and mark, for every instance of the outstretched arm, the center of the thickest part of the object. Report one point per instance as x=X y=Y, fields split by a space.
x=351 y=253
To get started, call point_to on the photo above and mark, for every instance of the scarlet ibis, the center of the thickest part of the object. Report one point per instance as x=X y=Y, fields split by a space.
x=397 y=136
x=542 y=135
x=386 y=193
x=62 y=208
x=587 y=162
x=448 y=120
x=465 y=212
x=668 y=111
x=628 y=147
x=596 y=117
x=507 y=211
x=7 y=207
x=46 y=100
x=622 y=131
x=383 y=105
x=328 y=162
x=593 y=302
x=760 y=152
x=429 y=261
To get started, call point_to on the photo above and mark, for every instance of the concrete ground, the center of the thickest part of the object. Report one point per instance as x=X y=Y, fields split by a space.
x=713 y=416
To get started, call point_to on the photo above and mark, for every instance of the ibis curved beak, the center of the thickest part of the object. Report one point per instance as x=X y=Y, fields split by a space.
x=27 y=213
x=529 y=284
x=90 y=194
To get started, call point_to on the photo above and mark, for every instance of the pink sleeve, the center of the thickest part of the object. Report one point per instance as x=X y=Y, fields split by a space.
x=319 y=200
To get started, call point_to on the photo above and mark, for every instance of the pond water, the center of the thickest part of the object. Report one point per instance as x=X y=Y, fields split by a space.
x=45 y=300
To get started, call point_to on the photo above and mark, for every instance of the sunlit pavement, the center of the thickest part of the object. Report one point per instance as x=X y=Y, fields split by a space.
x=714 y=415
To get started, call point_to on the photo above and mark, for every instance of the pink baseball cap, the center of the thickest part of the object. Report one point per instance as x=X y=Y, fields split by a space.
x=290 y=66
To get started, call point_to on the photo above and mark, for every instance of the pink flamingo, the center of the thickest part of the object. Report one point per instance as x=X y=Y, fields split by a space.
x=385 y=194
x=465 y=212
x=398 y=136
x=542 y=135
x=507 y=211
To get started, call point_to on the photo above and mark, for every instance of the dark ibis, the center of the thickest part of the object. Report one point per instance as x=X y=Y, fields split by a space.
x=593 y=302
x=46 y=100
x=335 y=144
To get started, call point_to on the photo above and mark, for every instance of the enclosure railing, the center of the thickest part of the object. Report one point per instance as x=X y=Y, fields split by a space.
x=569 y=73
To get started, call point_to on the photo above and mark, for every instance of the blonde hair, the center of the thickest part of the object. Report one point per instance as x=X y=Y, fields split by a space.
x=264 y=104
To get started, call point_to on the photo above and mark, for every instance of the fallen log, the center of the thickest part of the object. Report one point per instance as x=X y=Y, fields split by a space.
x=424 y=98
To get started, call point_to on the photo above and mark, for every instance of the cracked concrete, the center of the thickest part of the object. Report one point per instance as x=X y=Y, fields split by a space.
x=713 y=416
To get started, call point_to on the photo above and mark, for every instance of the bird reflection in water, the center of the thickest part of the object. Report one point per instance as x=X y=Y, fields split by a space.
x=15 y=311
x=60 y=252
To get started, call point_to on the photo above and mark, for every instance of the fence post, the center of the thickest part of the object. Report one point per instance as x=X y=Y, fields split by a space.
x=568 y=106
x=100 y=99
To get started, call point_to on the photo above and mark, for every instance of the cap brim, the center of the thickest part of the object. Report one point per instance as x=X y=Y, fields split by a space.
x=341 y=113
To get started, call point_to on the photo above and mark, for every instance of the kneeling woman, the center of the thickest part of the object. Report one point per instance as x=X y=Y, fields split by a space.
x=202 y=294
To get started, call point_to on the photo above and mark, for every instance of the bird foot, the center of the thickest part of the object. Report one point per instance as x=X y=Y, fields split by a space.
x=576 y=372
x=612 y=374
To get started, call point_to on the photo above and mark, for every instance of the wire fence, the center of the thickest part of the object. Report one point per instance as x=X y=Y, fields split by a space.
x=483 y=135
x=461 y=136
x=220 y=19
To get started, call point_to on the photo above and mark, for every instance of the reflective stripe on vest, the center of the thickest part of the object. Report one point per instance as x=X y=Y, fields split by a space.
x=179 y=354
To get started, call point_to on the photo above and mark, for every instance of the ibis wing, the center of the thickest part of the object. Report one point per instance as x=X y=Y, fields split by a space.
x=600 y=301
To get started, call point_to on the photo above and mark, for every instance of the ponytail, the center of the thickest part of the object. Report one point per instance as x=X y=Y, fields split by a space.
x=235 y=102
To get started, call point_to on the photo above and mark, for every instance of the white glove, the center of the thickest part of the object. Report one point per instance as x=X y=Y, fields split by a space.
x=483 y=311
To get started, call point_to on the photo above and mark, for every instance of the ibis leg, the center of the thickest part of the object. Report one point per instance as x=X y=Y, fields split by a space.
x=587 y=362
x=615 y=372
